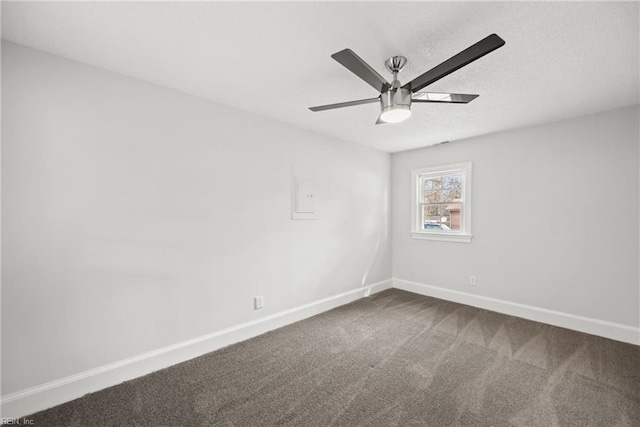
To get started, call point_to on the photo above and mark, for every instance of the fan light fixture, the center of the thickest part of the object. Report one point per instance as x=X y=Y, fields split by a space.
x=395 y=105
x=395 y=114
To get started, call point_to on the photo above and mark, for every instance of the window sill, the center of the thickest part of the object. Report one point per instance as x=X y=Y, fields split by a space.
x=458 y=238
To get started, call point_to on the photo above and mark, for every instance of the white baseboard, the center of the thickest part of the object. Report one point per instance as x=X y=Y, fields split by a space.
x=614 y=331
x=53 y=393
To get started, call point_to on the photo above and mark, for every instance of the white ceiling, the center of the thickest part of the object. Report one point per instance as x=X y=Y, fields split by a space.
x=561 y=59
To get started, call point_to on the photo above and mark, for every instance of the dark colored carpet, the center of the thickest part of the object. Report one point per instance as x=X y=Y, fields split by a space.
x=393 y=359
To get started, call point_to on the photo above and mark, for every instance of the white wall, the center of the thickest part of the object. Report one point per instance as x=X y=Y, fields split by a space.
x=136 y=217
x=555 y=218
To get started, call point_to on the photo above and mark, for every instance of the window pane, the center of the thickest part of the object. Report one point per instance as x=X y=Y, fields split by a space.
x=454 y=195
x=433 y=183
x=442 y=217
x=433 y=196
x=452 y=182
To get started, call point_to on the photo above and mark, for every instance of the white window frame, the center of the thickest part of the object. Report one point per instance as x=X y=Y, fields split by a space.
x=464 y=234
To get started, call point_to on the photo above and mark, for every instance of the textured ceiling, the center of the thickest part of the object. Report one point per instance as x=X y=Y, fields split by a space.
x=561 y=59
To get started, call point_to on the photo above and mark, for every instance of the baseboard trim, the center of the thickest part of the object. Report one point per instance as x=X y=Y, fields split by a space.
x=34 y=399
x=614 y=331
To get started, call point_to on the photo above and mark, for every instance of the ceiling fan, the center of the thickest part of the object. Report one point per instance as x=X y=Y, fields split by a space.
x=395 y=99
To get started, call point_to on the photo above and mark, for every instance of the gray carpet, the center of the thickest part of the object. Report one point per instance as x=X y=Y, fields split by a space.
x=393 y=359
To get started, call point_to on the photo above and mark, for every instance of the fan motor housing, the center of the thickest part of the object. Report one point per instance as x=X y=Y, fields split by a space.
x=395 y=97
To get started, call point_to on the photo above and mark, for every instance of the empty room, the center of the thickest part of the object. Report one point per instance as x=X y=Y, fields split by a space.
x=320 y=213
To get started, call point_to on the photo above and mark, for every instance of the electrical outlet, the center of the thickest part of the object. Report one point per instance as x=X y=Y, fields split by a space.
x=472 y=280
x=259 y=302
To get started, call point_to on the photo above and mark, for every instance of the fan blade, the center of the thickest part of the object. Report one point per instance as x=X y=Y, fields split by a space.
x=470 y=54
x=357 y=66
x=451 y=98
x=344 y=104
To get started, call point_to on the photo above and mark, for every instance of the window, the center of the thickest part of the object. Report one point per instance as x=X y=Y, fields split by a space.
x=441 y=203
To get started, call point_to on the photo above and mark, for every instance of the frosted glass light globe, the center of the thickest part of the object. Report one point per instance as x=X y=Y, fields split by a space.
x=396 y=114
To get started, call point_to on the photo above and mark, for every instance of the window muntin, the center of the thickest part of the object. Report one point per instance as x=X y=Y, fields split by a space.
x=441 y=202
